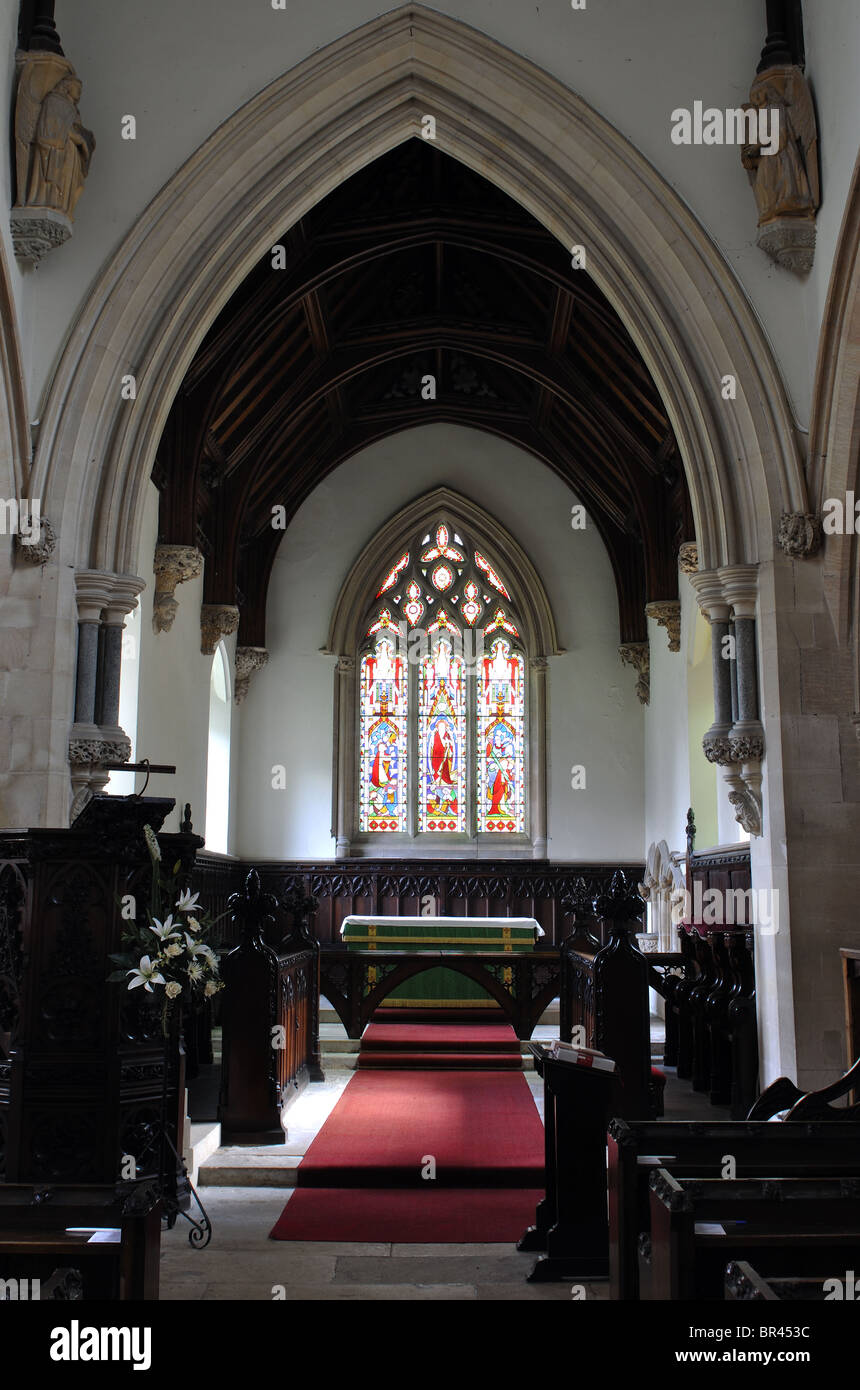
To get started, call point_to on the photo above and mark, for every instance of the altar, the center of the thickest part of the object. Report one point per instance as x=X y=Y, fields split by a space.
x=437 y=986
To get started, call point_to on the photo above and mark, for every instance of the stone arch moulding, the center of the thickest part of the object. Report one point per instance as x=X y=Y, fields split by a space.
x=311 y=129
x=346 y=632
x=834 y=432
x=14 y=427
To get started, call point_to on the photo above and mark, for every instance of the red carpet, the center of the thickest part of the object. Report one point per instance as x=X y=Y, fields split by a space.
x=445 y=1093
x=488 y=1037
x=482 y=1128
x=399 y=1215
x=476 y=1046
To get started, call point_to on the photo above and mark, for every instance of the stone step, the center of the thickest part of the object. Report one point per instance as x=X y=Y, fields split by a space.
x=235 y=1166
x=205 y=1140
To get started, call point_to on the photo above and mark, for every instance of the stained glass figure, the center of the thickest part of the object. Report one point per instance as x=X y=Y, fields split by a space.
x=500 y=741
x=486 y=568
x=391 y=578
x=441 y=740
x=383 y=694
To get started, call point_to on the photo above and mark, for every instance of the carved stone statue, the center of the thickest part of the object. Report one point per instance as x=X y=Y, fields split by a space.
x=786 y=181
x=53 y=151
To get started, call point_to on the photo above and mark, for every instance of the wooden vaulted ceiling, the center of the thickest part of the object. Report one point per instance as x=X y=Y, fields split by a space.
x=416 y=266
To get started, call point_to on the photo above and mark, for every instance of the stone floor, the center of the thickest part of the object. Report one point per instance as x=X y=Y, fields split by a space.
x=244 y=1190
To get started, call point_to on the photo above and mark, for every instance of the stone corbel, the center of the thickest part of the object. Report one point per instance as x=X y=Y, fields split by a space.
x=249 y=660
x=172 y=565
x=667 y=612
x=217 y=620
x=799 y=534
x=638 y=655
x=688 y=557
x=40 y=552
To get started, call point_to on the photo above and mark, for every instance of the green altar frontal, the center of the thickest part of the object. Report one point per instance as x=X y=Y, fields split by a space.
x=438 y=986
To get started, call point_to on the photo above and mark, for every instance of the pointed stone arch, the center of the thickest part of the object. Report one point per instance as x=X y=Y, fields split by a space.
x=314 y=127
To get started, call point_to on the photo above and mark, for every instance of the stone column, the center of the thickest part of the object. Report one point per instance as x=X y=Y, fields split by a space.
x=740 y=586
x=93 y=591
x=537 y=775
x=344 y=754
x=709 y=591
x=103 y=600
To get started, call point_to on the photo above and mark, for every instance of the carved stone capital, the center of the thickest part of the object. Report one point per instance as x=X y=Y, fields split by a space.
x=790 y=242
x=249 y=660
x=747 y=747
x=40 y=552
x=667 y=612
x=638 y=655
x=688 y=557
x=217 y=620
x=799 y=533
x=717 y=747
x=345 y=665
x=172 y=565
x=86 y=751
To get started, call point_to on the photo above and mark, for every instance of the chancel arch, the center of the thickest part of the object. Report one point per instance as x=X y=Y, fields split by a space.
x=532 y=137
x=440 y=693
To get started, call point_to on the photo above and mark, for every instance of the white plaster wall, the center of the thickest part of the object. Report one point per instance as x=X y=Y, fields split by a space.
x=173 y=694
x=594 y=717
x=181 y=70
x=667 y=764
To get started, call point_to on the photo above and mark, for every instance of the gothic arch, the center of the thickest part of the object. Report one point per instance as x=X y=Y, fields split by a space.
x=302 y=135
x=347 y=631
x=834 y=436
x=14 y=429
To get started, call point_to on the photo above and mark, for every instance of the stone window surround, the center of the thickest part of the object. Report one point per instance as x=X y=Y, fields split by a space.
x=346 y=640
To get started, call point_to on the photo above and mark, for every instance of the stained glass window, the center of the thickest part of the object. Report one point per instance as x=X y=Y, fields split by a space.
x=442 y=740
x=443 y=753
x=383 y=738
x=501 y=748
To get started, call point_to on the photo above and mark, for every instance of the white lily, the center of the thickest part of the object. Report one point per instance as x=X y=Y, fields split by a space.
x=147 y=974
x=165 y=931
x=187 y=901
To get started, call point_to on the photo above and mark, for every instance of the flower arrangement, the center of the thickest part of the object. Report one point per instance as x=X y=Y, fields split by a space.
x=169 y=952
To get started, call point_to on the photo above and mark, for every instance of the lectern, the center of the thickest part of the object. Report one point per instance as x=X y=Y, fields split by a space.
x=571 y=1222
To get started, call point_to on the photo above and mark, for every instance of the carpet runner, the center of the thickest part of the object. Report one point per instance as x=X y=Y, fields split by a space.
x=445 y=1101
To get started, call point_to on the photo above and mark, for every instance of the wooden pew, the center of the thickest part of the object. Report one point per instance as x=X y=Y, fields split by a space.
x=694 y=1149
x=789 y=1225
x=782 y=1094
x=38 y=1241
x=743 y=1284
